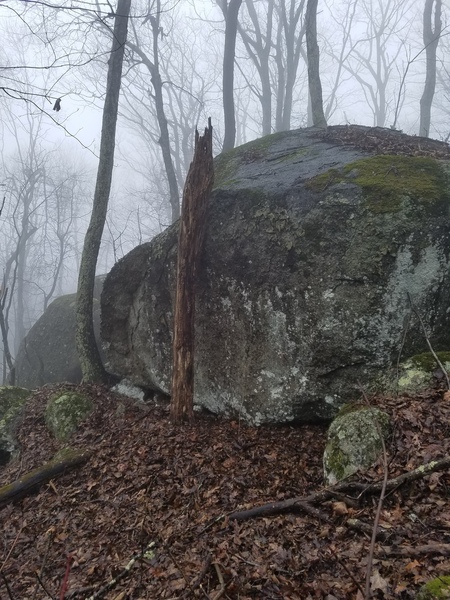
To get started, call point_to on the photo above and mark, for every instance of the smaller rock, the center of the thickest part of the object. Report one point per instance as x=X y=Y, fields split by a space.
x=436 y=589
x=12 y=402
x=127 y=388
x=354 y=441
x=64 y=413
x=416 y=374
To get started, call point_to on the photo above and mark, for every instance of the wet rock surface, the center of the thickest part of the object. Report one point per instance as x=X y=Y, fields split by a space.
x=313 y=254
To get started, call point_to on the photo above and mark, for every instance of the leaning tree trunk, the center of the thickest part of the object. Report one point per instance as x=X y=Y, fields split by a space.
x=312 y=49
x=88 y=353
x=197 y=190
x=431 y=40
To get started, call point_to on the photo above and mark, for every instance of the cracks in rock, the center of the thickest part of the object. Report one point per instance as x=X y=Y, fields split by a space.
x=341 y=368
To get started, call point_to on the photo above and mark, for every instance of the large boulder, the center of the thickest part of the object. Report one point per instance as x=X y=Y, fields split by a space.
x=48 y=353
x=12 y=403
x=313 y=253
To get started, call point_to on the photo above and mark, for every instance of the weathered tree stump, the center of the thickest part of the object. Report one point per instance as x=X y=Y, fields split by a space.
x=197 y=190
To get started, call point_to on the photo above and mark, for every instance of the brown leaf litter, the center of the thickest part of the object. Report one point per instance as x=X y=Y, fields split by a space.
x=152 y=486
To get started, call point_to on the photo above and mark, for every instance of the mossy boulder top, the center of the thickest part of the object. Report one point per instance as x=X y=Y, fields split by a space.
x=312 y=254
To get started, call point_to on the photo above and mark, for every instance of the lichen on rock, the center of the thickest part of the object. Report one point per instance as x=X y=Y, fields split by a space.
x=312 y=251
x=355 y=441
x=65 y=412
x=416 y=374
x=12 y=401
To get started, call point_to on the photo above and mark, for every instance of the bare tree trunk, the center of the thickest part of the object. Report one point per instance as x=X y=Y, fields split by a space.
x=158 y=98
x=88 y=353
x=431 y=40
x=7 y=358
x=197 y=190
x=230 y=12
x=312 y=48
x=164 y=140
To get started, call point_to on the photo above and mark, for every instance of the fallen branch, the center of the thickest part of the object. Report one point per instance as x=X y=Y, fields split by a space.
x=358 y=525
x=221 y=592
x=34 y=479
x=304 y=503
x=199 y=579
x=275 y=508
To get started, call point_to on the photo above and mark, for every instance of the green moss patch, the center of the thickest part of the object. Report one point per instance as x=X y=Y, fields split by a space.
x=386 y=180
x=427 y=362
x=436 y=589
x=65 y=412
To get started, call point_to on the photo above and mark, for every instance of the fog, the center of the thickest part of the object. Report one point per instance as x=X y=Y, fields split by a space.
x=372 y=69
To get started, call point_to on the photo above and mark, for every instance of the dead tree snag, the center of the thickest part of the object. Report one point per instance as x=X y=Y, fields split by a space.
x=197 y=190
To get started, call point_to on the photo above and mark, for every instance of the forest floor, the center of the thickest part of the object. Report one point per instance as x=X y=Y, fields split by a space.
x=164 y=495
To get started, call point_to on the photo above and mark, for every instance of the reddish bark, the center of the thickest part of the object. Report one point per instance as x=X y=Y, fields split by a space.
x=196 y=192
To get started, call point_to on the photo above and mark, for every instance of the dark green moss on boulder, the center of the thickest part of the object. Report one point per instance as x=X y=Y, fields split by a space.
x=65 y=412
x=355 y=441
x=387 y=180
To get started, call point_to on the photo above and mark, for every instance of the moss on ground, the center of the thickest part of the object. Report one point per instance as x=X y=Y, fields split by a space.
x=436 y=589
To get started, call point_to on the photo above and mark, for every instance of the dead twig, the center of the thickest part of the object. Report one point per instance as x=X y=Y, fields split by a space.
x=44 y=561
x=11 y=549
x=197 y=582
x=380 y=502
x=8 y=589
x=221 y=592
x=292 y=504
x=347 y=570
x=358 y=525
x=175 y=562
x=41 y=583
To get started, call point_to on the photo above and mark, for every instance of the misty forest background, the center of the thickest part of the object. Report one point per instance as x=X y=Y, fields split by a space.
x=373 y=66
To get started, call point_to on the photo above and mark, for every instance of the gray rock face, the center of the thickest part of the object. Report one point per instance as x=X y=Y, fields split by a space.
x=48 y=353
x=311 y=254
x=12 y=403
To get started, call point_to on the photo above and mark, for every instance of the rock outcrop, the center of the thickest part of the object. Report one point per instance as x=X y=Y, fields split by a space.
x=312 y=256
x=355 y=441
x=48 y=353
x=12 y=403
